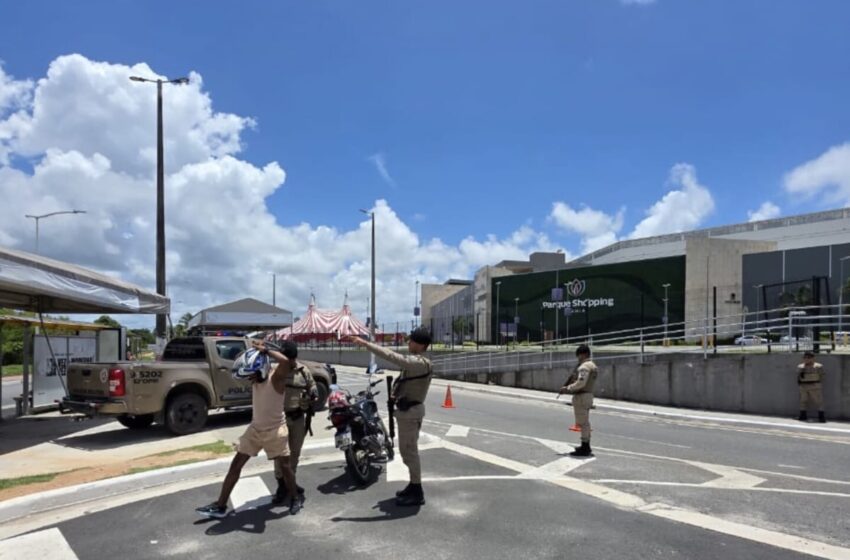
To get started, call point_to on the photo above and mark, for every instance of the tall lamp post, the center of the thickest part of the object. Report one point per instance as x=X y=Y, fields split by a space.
x=416 y=311
x=372 y=310
x=516 y=320
x=160 y=193
x=757 y=287
x=498 y=323
x=274 y=289
x=841 y=297
x=41 y=216
x=666 y=317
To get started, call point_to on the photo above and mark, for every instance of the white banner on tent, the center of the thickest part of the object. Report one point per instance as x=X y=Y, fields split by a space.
x=46 y=386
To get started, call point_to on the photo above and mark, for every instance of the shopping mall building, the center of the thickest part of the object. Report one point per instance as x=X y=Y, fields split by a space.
x=687 y=277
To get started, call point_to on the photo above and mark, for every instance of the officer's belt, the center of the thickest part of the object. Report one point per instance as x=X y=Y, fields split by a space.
x=296 y=414
x=809 y=382
x=582 y=392
x=405 y=379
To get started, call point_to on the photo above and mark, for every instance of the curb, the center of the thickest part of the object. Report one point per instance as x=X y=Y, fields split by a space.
x=57 y=498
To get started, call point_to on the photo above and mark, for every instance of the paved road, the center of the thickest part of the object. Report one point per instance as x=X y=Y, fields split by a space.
x=499 y=485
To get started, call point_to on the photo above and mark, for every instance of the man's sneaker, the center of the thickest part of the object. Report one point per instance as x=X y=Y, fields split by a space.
x=213 y=510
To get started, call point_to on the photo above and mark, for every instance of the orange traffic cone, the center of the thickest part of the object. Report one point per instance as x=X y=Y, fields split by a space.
x=575 y=428
x=447 y=403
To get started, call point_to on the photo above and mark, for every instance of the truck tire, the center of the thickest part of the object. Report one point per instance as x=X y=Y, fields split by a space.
x=186 y=413
x=137 y=422
x=322 y=401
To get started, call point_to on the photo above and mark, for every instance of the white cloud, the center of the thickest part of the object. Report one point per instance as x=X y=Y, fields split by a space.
x=380 y=162
x=766 y=211
x=681 y=209
x=90 y=133
x=827 y=175
x=597 y=229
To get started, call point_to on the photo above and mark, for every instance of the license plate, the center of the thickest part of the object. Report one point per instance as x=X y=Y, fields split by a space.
x=343 y=440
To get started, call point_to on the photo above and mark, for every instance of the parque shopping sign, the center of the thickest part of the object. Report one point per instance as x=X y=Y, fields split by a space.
x=573 y=301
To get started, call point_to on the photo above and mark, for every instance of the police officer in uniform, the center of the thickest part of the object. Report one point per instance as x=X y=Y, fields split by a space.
x=301 y=393
x=580 y=386
x=810 y=380
x=408 y=395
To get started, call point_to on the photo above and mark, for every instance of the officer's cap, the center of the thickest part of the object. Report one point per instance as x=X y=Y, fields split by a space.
x=420 y=335
x=808 y=354
x=583 y=349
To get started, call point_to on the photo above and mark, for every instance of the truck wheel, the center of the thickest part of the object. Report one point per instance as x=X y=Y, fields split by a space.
x=186 y=414
x=322 y=401
x=138 y=422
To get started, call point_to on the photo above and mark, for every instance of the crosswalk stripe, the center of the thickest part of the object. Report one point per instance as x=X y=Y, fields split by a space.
x=556 y=469
x=249 y=493
x=458 y=431
x=44 y=545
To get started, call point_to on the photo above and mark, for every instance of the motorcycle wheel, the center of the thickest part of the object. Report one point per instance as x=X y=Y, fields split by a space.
x=359 y=465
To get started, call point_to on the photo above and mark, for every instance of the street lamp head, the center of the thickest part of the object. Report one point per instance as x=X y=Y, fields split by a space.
x=367 y=212
x=139 y=79
x=78 y=211
x=665 y=285
x=180 y=81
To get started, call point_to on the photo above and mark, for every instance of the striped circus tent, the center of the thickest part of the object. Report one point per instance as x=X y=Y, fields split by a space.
x=324 y=325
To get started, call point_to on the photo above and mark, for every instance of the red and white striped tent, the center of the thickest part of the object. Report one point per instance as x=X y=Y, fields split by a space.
x=324 y=325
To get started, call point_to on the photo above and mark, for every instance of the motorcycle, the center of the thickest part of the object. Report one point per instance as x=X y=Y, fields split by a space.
x=360 y=431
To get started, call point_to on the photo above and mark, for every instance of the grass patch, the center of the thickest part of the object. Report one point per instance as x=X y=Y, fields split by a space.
x=10 y=370
x=136 y=470
x=216 y=448
x=6 y=483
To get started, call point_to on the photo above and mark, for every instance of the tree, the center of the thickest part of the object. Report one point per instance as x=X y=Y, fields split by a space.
x=184 y=320
x=107 y=321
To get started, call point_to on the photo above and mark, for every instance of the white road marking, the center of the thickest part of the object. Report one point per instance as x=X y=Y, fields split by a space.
x=556 y=469
x=695 y=485
x=396 y=471
x=729 y=477
x=487 y=457
x=749 y=532
x=791 y=467
x=708 y=522
x=650 y=441
x=458 y=431
x=249 y=493
x=44 y=545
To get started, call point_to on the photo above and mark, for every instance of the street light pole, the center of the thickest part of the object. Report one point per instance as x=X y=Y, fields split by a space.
x=498 y=320
x=666 y=317
x=758 y=306
x=160 y=193
x=372 y=311
x=39 y=217
x=416 y=304
x=516 y=320
x=274 y=289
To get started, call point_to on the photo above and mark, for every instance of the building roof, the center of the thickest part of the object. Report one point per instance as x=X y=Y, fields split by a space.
x=792 y=232
x=247 y=305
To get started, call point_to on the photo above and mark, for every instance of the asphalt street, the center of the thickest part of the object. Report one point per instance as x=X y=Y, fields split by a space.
x=499 y=484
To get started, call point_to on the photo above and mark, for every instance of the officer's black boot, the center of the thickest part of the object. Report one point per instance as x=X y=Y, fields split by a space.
x=583 y=450
x=821 y=417
x=405 y=492
x=415 y=498
x=804 y=416
x=281 y=494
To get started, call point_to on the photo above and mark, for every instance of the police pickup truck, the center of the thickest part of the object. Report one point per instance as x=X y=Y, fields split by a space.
x=193 y=378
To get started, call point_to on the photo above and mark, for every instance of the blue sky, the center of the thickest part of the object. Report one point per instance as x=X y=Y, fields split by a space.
x=475 y=118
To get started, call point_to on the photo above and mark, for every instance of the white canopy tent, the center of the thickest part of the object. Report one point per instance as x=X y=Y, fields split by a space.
x=34 y=283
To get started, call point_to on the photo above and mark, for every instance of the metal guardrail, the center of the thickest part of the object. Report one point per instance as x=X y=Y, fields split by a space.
x=787 y=329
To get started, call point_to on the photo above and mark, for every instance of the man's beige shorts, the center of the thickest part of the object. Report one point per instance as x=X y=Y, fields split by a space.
x=275 y=442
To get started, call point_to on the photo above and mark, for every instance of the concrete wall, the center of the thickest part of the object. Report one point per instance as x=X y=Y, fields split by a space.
x=435 y=293
x=757 y=384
